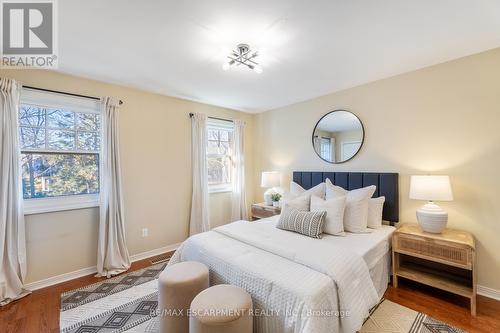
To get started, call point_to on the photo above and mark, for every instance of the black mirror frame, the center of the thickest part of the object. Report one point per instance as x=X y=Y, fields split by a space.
x=362 y=140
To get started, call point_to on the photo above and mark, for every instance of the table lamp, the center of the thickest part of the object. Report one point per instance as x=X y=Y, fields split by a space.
x=430 y=216
x=270 y=180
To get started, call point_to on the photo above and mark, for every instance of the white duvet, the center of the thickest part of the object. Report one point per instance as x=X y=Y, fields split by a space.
x=297 y=283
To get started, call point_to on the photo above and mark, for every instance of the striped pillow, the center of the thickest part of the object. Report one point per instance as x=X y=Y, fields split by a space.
x=305 y=223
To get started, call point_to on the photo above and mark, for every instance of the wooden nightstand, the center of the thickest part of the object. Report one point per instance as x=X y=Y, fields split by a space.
x=445 y=261
x=261 y=210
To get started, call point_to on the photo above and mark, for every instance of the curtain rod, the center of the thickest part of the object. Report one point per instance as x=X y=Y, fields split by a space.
x=222 y=119
x=65 y=93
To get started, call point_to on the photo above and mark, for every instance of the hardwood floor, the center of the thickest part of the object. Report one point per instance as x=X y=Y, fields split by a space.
x=39 y=312
x=452 y=309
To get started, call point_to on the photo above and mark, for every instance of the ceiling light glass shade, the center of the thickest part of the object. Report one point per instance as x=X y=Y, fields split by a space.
x=432 y=188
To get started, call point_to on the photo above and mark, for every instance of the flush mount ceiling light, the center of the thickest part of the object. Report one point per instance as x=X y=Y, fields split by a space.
x=243 y=56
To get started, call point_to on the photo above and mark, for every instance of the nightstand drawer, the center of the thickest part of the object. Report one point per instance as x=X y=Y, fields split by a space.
x=434 y=250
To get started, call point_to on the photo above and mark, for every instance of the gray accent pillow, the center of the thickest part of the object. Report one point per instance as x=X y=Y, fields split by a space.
x=305 y=223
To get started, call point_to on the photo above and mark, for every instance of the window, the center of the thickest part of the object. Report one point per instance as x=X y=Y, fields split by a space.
x=326 y=148
x=219 y=152
x=60 y=140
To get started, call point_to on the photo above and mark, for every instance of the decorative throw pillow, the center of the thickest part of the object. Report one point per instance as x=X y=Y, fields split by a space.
x=375 y=208
x=356 y=209
x=305 y=223
x=318 y=190
x=300 y=203
x=298 y=191
x=334 y=208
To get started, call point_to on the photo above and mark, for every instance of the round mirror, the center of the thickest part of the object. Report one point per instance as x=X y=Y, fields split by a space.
x=338 y=136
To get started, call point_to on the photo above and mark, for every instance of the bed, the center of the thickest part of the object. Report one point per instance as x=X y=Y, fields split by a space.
x=297 y=283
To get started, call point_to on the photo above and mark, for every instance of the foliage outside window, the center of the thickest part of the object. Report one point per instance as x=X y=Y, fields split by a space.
x=219 y=155
x=59 y=151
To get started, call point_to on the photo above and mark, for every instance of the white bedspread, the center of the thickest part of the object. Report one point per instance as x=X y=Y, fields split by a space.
x=299 y=283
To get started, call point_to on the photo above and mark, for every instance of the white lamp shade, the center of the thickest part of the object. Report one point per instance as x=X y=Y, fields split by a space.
x=432 y=188
x=270 y=179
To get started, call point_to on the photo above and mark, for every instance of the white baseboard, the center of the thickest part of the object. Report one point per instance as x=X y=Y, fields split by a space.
x=155 y=252
x=60 y=278
x=488 y=292
x=92 y=270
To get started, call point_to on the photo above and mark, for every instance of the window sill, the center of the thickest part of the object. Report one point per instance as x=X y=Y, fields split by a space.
x=48 y=205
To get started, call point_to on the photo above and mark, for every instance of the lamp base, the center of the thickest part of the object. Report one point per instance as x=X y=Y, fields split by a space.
x=268 y=196
x=432 y=218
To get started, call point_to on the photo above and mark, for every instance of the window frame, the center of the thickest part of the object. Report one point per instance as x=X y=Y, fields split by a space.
x=225 y=125
x=77 y=105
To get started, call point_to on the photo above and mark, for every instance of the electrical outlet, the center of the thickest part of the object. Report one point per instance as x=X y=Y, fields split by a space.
x=145 y=232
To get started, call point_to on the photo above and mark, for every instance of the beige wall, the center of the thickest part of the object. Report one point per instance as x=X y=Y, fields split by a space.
x=155 y=135
x=443 y=119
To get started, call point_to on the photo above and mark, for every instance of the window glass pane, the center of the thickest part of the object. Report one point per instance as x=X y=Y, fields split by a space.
x=63 y=140
x=88 y=141
x=218 y=135
x=224 y=135
x=60 y=119
x=219 y=170
x=51 y=175
x=88 y=122
x=212 y=148
x=219 y=155
x=31 y=116
x=212 y=134
x=32 y=137
x=218 y=148
x=62 y=172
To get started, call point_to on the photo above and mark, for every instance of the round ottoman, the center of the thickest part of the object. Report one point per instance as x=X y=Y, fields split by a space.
x=178 y=284
x=221 y=309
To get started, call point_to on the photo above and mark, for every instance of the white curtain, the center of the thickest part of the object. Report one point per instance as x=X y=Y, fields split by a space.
x=12 y=231
x=239 y=200
x=199 y=203
x=112 y=252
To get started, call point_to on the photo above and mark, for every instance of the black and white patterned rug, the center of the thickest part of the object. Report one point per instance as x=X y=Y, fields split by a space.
x=126 y=302
x=390 y=317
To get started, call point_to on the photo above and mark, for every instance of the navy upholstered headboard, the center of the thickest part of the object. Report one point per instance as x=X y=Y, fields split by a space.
x=387 y=185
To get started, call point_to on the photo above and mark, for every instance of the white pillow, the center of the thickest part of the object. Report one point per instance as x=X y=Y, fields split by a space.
x=375 y=208
x=301 y=202
x=356 y=209
x=296 y=190
x=318 y=190
x=334 y=208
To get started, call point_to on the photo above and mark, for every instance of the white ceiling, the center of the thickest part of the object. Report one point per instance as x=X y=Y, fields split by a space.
x=311 y=48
